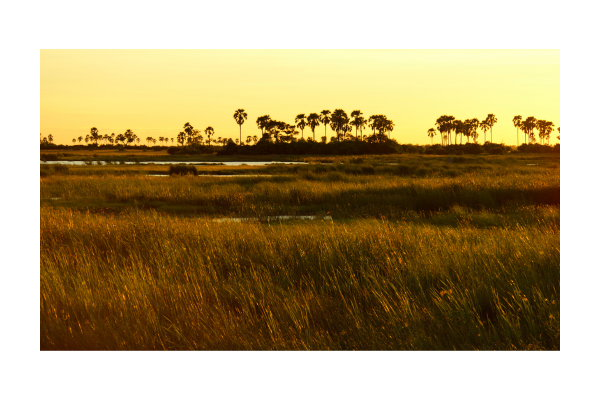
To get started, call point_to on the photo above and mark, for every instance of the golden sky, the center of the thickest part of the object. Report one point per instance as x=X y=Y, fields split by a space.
x=154 y=92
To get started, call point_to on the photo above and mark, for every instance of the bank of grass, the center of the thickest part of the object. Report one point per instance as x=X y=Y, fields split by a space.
x=145 y=280
x=430 y=260
x=305 y=193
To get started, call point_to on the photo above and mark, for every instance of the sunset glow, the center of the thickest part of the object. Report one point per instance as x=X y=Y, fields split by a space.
x=154 y=92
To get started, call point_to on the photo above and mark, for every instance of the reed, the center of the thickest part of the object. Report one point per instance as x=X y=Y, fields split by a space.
x=146 y=280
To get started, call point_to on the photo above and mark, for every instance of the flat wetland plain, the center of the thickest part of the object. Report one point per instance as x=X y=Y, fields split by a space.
x=421 y=253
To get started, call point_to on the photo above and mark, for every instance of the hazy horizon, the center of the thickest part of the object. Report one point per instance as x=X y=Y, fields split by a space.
x=154 y=92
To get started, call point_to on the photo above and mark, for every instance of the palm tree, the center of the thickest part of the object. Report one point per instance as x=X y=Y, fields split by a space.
x=491 y=120
x=558 y=137
x=339 y=120
x=527 y=126
x=325 y=119
x=248 y=140
x=255 y=139
x=313 y=121
x=439 y=125
x=209 y=132
x=79 y=139
x=189 y=131
x=172 y=140
x=473 y=125
x=484 y=127
x=94 y=134
x=301 y=122
x=356 y=120
x=517 y=123
x=240 y=116
x=431 y=134
x=129 y=136
x=263 y=122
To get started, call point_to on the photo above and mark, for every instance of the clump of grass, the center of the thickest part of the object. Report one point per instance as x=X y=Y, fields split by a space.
x=143 y=280
x=183 y=170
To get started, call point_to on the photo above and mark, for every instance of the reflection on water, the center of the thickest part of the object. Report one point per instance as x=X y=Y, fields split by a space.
x=200 y=163
x=218 y=176
x=278 y=218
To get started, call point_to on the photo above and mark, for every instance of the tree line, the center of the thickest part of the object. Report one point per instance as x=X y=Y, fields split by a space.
x=447 y=124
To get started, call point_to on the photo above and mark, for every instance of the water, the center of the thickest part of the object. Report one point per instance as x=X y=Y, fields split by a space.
x=277 y=218
x=219 y=176
x=234 y=163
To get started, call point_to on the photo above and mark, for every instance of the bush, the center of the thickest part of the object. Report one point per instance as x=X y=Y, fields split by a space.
x=367 y=170
x=48 y=157
x=183 y=170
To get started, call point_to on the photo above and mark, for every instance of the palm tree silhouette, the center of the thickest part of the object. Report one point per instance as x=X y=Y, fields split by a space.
x=313 y=121
x=263 y=122
x=339 y=120
x=209 y=132
x=356 y=115
x=301 y=122
x=94 y=134
x=517 y=123
x=491 y=120
x=189 y=131
x=325 y=119
x=79 y=139
x=484 y=127
x=240 y=116
x=431 y=134
x=527 y=126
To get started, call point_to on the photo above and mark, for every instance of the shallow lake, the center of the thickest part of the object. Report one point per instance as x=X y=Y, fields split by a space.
x=198 y=163
x=277 y=218
x=218 y=176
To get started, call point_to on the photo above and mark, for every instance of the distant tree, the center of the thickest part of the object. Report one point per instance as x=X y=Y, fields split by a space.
x=129 y=136
x=491 y=120
x=248 y=140
x=484 y=127
x=263 y=123
x=188 y=129
x=558 y=137
x=240 y=117
x=209 y=131
x=325 y=119
x=79 y=139
x=87 y=139
x=439 y=125
x=301 y=122
x=517 y=123
x=339 y=120
x=471 y=129
x=137 y=141
x=431 y=134
x=172 y=140
x=255 y=139
x=181 y=138
x=313 y=121
x=355 y=115
x=528 y=126
x=94 y=135
x=74 y=140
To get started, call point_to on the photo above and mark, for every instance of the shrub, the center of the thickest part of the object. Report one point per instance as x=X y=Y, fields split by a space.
x=183 y=170
x=48 y=157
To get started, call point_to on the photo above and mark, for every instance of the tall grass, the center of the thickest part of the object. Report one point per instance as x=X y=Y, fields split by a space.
x=145 y=280
x=344 y=196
